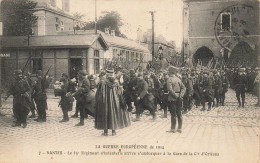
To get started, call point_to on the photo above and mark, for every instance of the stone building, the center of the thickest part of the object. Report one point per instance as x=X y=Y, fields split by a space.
x=224 y=30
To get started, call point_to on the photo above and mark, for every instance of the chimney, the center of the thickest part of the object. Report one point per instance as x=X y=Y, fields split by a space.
x=113 y=33
x=107 y=31
x=66 y=5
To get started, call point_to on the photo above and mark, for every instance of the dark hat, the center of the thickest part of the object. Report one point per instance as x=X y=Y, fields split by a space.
x=17 y=72
x=83 y=72
x=65 y=75
x=172 y=69
x=38 y=72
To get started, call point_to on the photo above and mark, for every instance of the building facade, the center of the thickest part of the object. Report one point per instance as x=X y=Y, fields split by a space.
x=224 y=30
x=61 y=54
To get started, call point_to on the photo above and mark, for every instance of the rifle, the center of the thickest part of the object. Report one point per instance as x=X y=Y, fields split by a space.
x=26 y=64
x=47 y=72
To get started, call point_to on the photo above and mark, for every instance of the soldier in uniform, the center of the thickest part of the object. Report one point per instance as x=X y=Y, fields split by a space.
x=21 y=100
x=217 y=86
x=240 y=83
x=150 y=82
x=80 y=95
x=225 y=86
x=144 y=99
x=66 y=102
x=176 y=92
x=196 y=83
x=130 y=92
x=40 y=97
x=165 y=94
x=187 y=98
x=206 y=91
x=27 y=77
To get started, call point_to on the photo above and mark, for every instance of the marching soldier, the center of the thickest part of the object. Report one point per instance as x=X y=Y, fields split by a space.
x=240 y=83
x=81 y=93
x=187 y=98
x=225 y=86
x=130 y=92
x=150 y=82
x=217 y=85
x=27 y=77
x=40 y=97
x=21 y=100
x=144 y=99
x=196 y=83
x=165 y=94
x=176 y=92
x=206 y=91
x=66 y=102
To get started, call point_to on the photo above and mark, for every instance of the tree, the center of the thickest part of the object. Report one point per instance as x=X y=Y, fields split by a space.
x=17 y=17
x=110 y=20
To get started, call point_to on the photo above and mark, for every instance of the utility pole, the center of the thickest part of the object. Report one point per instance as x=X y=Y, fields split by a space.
x=95 y=16
x=152 y=13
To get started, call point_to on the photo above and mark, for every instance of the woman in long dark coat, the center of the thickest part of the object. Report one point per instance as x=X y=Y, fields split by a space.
x=110 y=105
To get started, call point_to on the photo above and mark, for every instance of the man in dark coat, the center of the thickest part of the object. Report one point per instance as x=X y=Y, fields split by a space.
x=40 y=97
x=27 y=77
x=176 y=92
x=240 y=83
x=225 y=86
x=66 y=102
x=187 y=98
x=165 y=94
x=144 y=99
x=21 y=99
x=110 y=105
x=217 y=86
x=130 y=91
x=81 y=93
x=206 y=90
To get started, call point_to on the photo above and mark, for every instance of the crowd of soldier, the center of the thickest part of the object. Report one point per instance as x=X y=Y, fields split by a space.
x=111 y=96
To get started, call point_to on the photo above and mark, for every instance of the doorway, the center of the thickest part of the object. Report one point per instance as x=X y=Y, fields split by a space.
x=75 y=67
x=204 y=55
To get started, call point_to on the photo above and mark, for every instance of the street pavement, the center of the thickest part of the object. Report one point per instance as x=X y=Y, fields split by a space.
x=224 y=134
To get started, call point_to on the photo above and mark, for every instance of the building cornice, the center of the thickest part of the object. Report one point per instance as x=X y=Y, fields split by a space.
x=61 y=13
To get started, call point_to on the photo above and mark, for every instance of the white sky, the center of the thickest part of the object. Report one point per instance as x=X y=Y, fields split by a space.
x=135 y=13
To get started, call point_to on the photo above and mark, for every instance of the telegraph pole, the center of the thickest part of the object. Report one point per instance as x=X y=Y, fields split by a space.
x=152 y=13
x=95 y=16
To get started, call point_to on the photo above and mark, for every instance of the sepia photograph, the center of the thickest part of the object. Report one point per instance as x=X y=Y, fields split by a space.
x=149 y=81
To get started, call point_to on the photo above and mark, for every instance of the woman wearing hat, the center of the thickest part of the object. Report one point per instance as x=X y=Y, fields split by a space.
x=110 y=106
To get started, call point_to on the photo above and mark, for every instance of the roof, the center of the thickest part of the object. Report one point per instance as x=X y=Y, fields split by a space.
x=115 y=41
x=124 y=43
x=57 y=41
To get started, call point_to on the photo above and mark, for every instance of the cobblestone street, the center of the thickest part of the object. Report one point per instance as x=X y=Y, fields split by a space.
x=225 y=134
